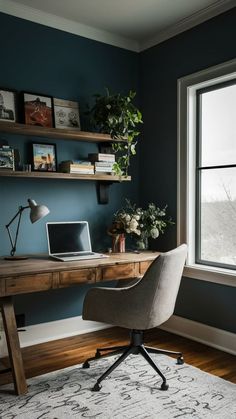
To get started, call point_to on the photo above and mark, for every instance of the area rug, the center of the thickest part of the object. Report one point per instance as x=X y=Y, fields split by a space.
x=132 y=391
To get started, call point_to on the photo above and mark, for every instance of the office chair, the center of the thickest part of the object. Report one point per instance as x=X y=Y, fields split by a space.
x=147 y=303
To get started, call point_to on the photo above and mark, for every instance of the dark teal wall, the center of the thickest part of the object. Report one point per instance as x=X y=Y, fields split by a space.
x=208 y=44
x=53 y=62
x=44 y=60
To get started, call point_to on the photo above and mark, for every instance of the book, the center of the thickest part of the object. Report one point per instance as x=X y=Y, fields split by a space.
x=103 y=170
x=103 y=164
x=82 y=172
x=76 y=168
x=101 y=157
x=86 y=162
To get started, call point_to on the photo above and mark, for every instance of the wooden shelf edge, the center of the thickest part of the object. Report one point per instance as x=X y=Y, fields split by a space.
x=66 y=134
x=66 y=176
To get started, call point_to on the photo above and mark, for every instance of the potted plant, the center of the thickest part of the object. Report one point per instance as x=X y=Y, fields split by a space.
x=116 y=115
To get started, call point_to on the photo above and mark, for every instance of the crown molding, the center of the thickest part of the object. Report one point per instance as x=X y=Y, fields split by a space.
x=189 y=22
x=47 y=19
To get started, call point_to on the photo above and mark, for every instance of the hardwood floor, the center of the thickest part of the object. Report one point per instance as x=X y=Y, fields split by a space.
x=50 y=356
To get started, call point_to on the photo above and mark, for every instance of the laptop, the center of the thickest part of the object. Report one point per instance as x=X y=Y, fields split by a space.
x=70 y=240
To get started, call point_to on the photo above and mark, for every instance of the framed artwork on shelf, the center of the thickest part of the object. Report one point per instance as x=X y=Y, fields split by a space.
x=7 y=105
x=66 y=114
x=7 y=161
x=44 y=157
x=37 y=109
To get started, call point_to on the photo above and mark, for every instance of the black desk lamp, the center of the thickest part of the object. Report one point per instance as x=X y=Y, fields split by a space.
x=36 y=213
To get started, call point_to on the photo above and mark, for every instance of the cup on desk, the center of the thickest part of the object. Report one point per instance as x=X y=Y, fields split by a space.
x=26 y=167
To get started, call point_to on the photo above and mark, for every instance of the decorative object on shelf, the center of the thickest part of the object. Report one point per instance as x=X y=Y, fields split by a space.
x=7 y=161
x=140 y=223
x=38 y=109
x=44 y=157
x=118 y=116
x=66 y=114
x=36 y=213
x=7 y=105
x=26 y=167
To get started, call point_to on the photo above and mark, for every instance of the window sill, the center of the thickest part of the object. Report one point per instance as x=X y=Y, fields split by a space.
x=211 y=274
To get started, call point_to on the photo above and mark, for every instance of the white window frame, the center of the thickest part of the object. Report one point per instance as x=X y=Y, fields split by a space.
x=186 y=168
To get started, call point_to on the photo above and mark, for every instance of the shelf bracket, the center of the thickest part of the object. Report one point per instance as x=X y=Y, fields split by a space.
x=103 y=192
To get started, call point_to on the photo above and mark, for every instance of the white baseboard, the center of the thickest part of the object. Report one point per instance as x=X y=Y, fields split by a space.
x=58 y=329
x=44 y=332
x=211 y=336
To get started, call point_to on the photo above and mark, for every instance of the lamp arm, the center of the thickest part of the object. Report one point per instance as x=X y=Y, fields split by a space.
x=13 y=244
x=21 y=209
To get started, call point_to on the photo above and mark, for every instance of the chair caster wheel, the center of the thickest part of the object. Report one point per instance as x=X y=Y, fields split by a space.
x=180 y=360
x=96 y=387
x=164 y=386
x=86 y=364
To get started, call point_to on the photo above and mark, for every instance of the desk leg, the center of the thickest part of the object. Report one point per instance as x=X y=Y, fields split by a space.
x=13 y=344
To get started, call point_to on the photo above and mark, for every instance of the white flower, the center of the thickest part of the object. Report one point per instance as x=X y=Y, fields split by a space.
x=154 y=233
x=127 y=218
x=133 y=224
x=137 y=217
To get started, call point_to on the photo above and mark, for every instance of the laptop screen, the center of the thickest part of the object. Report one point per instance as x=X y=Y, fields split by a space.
x=68 y=237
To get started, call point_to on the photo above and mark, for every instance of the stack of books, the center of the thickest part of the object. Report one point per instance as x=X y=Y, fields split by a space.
x=77 y=166
x=103 y=163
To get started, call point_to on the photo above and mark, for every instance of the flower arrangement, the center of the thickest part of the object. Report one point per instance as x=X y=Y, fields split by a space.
x=139 y=222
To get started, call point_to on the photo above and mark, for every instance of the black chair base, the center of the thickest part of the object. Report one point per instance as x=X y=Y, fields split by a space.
x=136 y=347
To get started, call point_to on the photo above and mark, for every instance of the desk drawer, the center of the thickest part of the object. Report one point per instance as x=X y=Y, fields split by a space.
x=144 y=266
x=128 y=270
x=74 y=277
x=28 y=283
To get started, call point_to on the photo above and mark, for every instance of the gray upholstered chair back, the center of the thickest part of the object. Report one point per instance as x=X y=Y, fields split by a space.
x=160 y=285
x=145 y=304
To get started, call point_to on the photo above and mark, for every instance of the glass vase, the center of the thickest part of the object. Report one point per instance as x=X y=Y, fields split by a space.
x=142 y=243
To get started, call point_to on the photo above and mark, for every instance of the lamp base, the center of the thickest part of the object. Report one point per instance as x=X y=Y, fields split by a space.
x=16 y=257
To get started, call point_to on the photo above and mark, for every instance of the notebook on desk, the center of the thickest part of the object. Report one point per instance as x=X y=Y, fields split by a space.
x=68 y=241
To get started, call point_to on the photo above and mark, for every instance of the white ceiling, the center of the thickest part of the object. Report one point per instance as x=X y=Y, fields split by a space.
x=139 y=22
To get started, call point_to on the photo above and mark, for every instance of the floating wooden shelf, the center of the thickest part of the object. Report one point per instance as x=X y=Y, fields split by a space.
x=104 y=180
x=68 y=176
x=64 y=134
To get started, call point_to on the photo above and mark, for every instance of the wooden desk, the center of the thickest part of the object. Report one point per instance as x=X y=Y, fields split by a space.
x=39 y=273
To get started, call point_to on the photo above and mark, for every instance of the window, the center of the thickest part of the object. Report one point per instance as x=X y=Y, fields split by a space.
x=207 y=172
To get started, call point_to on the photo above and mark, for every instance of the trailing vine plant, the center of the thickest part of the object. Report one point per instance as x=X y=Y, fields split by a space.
x=116 y=115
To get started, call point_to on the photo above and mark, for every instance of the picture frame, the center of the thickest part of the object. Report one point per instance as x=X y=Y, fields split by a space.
x=7 y=158
x=44 y=158
x=8 y=109
x=37 y=109
x=66 y=114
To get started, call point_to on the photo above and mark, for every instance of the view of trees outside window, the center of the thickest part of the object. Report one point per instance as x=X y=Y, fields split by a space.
x=217 y=174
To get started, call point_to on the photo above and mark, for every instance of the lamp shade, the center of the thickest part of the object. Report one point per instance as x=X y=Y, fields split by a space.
x=37 y=211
